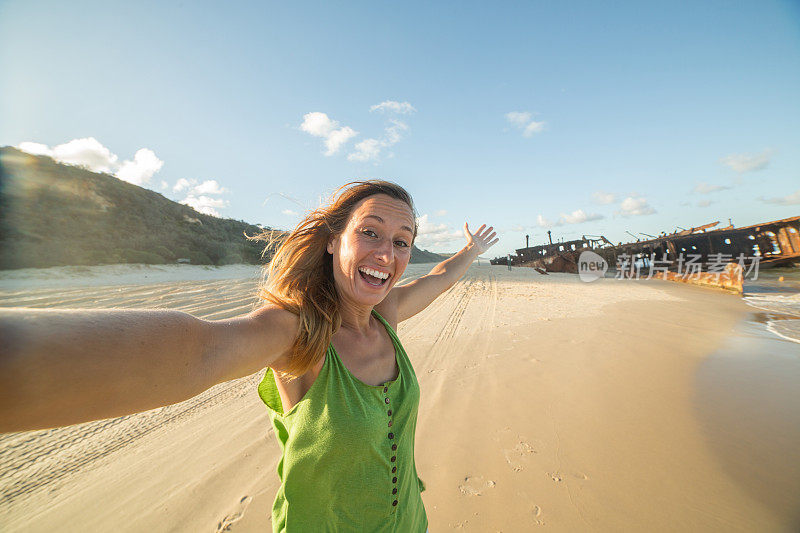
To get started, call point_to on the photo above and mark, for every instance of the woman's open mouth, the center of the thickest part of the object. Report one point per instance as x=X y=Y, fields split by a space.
x=376 y=278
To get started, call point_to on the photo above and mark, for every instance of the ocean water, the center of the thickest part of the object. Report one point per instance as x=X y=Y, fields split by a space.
x=776 y=302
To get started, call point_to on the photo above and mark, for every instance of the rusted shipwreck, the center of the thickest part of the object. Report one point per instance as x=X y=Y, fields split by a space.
x=553 y=257
x=775 y=243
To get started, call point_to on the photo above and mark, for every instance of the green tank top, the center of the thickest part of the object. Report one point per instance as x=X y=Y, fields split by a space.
x=347 y=460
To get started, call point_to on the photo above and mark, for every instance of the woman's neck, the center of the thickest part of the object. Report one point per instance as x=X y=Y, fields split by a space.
x=355 y=318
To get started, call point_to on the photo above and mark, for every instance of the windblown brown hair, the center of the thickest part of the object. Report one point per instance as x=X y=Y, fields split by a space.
x=299 y=278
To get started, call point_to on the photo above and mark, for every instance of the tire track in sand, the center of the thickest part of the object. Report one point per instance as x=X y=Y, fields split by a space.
x=472 y=306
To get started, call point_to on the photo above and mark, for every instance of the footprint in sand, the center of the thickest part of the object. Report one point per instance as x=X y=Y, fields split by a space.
x=226 y=523
x=556 y=477
x=537 y=515
x=475 y=485
x=515 y=456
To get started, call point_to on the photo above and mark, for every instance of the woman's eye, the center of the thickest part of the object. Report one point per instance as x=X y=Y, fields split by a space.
x=370 y=233
x=402 y=244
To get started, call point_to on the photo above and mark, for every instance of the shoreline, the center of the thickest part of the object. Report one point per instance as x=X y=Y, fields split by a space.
x=119 y=274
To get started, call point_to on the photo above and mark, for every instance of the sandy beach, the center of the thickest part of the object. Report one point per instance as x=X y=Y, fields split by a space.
x=545 y=403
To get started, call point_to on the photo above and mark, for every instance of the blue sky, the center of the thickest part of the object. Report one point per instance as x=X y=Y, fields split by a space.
x=578 y=117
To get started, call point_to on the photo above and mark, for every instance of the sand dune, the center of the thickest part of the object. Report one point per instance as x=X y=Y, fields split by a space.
x=546 y=402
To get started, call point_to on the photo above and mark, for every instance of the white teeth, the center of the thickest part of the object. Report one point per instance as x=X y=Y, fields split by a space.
x=375 y=273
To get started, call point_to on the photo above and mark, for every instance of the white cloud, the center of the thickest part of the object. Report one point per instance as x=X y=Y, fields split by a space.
x=578 y=216
x=89 y=153
x=338 y=138
x=707 y=188
x=370 y=149
x=335 y=137
x=141 y=169
x=35 y=148
x=517 y=227
x=789 y=199
x=320 y=125
x=181 y=184
x=394 y=132
x=289 y=212
x=193 y=188
x=742 y=163
x=432 y=234
x=441 y=212
x=543 y=222
x=393 y=107
x=164 y=185
x=518 y=118
x=197 y=195
x=523 y=121
x=635 y=206
x=205 y=204
x=603 y=198
x=209 y=187
x=366 y=150
x=533 y=127
x=704 y=203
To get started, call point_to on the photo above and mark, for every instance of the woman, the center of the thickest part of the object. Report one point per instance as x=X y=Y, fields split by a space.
x=340 y=390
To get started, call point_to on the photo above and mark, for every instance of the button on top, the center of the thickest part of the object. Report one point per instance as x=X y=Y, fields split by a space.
x=385 y=389
x=387 y=400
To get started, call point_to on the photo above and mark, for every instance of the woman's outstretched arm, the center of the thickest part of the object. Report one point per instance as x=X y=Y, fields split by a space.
x=61 y=367
x=412 y=298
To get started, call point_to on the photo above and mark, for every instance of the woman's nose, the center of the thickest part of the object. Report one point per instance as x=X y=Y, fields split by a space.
x=384 y=251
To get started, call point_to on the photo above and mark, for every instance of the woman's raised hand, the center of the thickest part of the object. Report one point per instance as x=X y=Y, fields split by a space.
x=481 y=240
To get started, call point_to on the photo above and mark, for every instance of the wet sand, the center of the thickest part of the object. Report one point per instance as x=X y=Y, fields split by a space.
x=747 y=397
x=546 y=402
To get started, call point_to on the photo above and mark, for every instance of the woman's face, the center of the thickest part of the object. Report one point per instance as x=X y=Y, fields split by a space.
x=372 y=252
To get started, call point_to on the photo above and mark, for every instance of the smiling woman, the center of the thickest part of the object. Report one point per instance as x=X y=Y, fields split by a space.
x=340 y=389
x=316 y=270
x=345 y=405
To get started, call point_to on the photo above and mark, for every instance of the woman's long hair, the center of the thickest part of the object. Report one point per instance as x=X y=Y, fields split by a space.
x=299 y=278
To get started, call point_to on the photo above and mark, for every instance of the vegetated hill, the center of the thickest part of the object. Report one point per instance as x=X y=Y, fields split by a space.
x=53 y=214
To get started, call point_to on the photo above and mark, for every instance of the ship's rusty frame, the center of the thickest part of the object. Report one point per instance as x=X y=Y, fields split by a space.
x=775 y=243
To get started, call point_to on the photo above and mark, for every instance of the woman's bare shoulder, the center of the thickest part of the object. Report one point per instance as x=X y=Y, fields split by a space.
x=274 y=314
x=280 y=326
